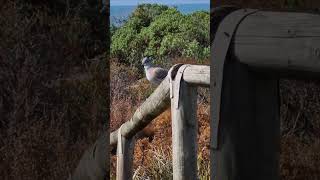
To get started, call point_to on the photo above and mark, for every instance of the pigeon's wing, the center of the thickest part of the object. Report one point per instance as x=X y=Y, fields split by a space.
x=156 y=74
x=160 y=73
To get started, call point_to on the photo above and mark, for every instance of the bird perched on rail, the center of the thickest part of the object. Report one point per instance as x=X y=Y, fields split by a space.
x=154 y=74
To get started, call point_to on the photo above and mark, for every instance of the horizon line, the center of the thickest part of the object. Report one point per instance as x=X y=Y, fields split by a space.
x=159 y=4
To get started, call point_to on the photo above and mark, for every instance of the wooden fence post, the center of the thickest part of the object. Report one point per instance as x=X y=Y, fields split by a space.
x=125 y=151
x=249 y=129
x=184 y=132
x=94 y=164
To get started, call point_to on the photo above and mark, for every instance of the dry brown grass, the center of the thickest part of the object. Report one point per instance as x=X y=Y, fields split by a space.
x=299 y=161
x=53 y=91
x=127 y=92
x=149 y=157
x=300 y=110
x=299 y=126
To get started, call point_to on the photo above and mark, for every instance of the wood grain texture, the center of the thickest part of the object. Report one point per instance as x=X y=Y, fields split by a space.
x=249 y=132
x=198 y=75
x=184 y=133
x=279 y=41
x=125 y=159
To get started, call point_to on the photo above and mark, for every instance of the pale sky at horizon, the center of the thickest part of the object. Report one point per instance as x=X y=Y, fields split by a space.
x=135 y=2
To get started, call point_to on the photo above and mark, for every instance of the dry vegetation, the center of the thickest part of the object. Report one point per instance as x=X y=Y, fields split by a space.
x=53 y=87
x=300 y=128
x=152 y=159
x=53 y=98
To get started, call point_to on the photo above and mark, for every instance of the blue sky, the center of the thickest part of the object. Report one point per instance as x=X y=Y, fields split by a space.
x=135 y=2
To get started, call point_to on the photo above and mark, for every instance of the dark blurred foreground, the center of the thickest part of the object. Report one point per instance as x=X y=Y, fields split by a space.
x=300 y=104
x=53 y=85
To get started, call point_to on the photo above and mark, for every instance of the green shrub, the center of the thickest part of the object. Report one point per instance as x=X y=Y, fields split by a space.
x=163 y=33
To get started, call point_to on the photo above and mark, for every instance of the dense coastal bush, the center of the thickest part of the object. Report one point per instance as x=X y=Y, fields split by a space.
x=163 y=33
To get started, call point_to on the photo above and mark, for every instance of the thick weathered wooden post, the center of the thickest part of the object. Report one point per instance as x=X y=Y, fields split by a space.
x=264 y=47
x=249 y=127
x=125 y=150
x=184 y=128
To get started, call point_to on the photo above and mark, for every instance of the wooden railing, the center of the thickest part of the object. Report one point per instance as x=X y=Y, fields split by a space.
x=244 y=123
x=183 y=106
x=181 y=94
x=251 y=51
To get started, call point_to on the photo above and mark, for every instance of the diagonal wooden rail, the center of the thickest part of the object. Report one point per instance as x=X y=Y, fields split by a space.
x=183 y=106
x=193 y=76
x=264 y=47
x=159 y=101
